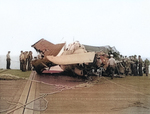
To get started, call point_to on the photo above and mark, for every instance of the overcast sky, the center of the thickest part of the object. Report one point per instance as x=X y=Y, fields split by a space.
x=124 y=24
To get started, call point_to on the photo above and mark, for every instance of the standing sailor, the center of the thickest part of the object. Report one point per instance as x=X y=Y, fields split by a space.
x=146 y=64
x=112 y=64
x=135 y=65
x=140 y=66
x=29 y=60
x=21 y=60
x=8 y=60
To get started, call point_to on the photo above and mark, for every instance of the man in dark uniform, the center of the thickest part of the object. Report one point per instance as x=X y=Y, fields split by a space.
x=135 y=66
x=146 y=64
x=131 y=65
x=21 y=60
x=140 y=66
x=8 y=60
x=29 y=60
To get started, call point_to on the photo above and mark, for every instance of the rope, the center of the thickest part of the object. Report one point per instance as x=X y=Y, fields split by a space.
x=12 y=107
x=24 y=105
x=61 y=87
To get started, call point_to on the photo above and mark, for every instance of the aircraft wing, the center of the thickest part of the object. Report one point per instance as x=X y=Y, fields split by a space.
x=72 y=58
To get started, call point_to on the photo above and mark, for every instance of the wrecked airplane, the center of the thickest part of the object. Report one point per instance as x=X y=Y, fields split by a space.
x=75 y=58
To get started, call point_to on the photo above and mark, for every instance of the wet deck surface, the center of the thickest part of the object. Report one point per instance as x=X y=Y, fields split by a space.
x=10 y=92
x=64 y=95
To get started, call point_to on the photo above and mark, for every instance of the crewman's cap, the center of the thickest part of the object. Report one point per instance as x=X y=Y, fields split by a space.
x=111 y=55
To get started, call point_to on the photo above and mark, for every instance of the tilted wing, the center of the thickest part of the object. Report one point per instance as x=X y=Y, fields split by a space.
x=72 y=58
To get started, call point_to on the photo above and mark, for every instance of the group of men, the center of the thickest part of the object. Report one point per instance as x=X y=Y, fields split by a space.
x=136 y=66
x=25 y=60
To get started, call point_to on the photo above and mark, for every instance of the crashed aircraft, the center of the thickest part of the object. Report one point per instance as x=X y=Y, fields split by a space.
x=73 y=58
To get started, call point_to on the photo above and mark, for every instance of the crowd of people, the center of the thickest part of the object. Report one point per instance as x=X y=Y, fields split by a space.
x=133 y=66
x=137 y=65
x=25 y=59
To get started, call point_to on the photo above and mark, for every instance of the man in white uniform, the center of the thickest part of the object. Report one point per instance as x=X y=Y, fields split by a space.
x=112 y=64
